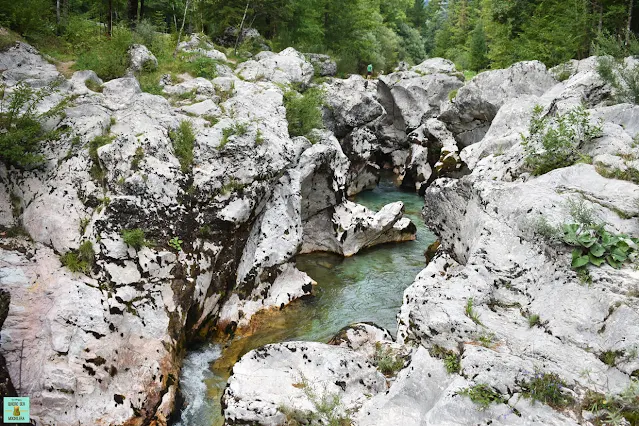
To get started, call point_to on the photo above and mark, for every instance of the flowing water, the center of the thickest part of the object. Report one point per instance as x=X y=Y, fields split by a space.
x=367 y=287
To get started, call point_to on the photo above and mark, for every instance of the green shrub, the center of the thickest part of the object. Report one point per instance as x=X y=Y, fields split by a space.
x=623 y=79
x=607 y=44
x=80 y=260
x=239 y=129
x=452 y=95
x=203 y=66
x=183 y=141
x=93 y=85
x=7 y=40
x=134 y=238
x=303 y=111
x=533 y=320
x=596 y=246
x=546 y=388
x=554 y=142
x=21 y=131
x=482 y=395
x=28 y=17
x=327 y=408
x=109 y=56
x=612 y=409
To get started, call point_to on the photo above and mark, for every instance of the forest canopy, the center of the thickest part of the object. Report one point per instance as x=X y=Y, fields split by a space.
x=475 y=34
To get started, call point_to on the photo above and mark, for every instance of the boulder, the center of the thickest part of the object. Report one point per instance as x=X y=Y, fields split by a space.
x=356 y=227
x=324 y=65
x=469 y=114
x=141 y=59
x=411 y=97
x=287 y=67
x=286 y=381
x=200 y=45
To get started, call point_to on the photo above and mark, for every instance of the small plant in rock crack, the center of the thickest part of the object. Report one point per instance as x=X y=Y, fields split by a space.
x=547 y=388
x=80 y=260
x=554 y=142
x=452 y=361
x=471 y=313
x=482 y=395
x=487 y=340
x=176 y=243
x=387 y=360
x=134 y=237
x=533 y=320
x=594 y=245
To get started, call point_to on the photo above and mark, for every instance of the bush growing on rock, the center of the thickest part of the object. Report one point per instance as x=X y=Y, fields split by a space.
x=482 y=395
x=21 y=131
x=303 y=111
x=134 y=238
x=183 y=141
x=596 y=246
x=554 y=142
x=547 y=388
x=387 y=361
x=80 y=260
x=623 y=77
x=108 y=57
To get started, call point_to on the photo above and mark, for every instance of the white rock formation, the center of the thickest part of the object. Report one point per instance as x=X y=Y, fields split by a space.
x=288 y=66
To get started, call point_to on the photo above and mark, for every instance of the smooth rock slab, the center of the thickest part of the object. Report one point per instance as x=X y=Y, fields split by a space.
x=282 y=375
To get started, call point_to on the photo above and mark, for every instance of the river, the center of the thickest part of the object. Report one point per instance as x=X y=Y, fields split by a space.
x=367 y=287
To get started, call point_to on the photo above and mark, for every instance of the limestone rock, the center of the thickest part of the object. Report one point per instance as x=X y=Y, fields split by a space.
x=324 y=65
x=287 y=67
x=469 y=114
x=260 y=388
x=141 y=59
x=199 y=44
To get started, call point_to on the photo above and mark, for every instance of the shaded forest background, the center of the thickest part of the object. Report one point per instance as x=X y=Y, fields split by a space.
x=475 y=34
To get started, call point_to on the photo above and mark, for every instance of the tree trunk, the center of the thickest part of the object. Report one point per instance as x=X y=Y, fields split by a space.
x=109 y=28
x=629 y=26
x=141 y=14
x=186 y=8
x=239 y=33
x=132 y=12
x=57 y=12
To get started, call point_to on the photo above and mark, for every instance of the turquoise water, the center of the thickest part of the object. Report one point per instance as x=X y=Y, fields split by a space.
x=366 y=287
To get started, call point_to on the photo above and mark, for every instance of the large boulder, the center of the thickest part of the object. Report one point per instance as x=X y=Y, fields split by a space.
x=199 y=44
x=469 y=114
x=287 y=67
x=324 y=65
x=141 y=59
x=6 y=386
x=411 y=97
x=291 y=381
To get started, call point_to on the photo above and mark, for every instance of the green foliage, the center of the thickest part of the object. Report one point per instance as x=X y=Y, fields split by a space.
x=452 y=95
x=21 y=131
x=28 y=17
x=239 y=129
x=554 y=142
x=134 y=238
x=137 y=158
x=176 y=243
x=108 y=57
x=623 y=78
x=471 y=313
x=7 y=40
x=487 y=340
x=303 y=112
x=183 y=141
x=482 y=395
x=613 y=409
x=386 y=360
x=596 y=246
x=452 y=361
x=533 y=320
x=548 y=232
x=546 y=388
x=80 y=260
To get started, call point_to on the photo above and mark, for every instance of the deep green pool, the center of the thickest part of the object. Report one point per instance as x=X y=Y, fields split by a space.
x=366 y=287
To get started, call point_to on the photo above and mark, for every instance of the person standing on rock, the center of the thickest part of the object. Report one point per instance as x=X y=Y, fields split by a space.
x=369 y=70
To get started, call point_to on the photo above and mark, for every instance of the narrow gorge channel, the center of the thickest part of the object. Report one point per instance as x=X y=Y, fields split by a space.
x=367 y=287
